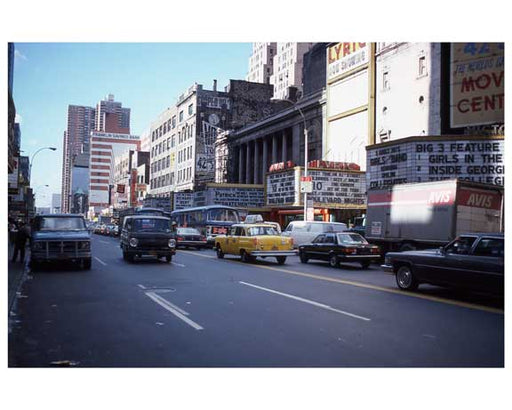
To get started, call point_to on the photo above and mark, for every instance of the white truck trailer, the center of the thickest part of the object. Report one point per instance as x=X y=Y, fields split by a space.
x=430 y=214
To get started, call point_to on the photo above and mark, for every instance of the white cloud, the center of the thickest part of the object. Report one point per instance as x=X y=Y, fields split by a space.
x=18 y=118
x=19 y=56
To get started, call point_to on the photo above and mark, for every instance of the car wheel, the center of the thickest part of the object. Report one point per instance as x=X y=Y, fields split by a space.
x=281 y=260
x=87 y=264
x=303 y=258
x=245 y=257
x=130 y=258
x=220 y=254
x=168 y=258
x=33 y=265
x=333 y=261
x=365 y=264
x=405 y=278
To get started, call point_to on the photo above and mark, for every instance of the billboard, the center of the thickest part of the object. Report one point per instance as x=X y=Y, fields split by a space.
x=477 y=95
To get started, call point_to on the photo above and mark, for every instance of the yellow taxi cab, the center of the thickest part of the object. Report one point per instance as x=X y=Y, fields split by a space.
x=252 y=240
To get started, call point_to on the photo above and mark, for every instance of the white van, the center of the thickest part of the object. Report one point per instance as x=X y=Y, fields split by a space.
x=305 y=232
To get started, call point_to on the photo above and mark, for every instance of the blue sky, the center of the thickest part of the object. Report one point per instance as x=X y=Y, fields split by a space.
x=145 y=77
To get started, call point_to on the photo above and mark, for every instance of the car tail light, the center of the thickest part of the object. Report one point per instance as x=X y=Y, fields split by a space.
x=376 y=250
x=203 y=238
x=180 y=238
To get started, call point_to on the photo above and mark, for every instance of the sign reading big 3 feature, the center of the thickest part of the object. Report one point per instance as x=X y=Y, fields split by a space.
x=436 y=158
x=331 y=188
x=477 y=84
x=343 y=57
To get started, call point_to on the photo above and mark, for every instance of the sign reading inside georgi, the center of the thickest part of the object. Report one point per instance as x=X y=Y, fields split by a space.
x=436 y=158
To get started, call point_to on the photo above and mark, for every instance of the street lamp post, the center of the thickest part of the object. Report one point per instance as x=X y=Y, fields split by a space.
x=32 y=159
x=305 y=151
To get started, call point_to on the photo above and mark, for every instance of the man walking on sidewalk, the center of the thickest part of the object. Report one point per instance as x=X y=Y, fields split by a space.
x=20 y=242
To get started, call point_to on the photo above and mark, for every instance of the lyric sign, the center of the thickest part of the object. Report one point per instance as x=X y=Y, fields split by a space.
x=436 y=158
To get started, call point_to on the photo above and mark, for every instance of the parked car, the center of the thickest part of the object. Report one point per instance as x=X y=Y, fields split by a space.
x=60 y=237
x=114 y=230
x=97 y=228
x=340 y=247
x=471 y=261
x=190 y=237
x=305 y=231
x=252 y=240
x=147 y=235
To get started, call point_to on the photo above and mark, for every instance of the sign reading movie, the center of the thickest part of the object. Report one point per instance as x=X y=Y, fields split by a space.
x=343 y=57
x=425 y=159
x=477 y=84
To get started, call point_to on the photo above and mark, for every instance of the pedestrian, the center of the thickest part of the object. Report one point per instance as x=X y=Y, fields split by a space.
x=20 y=242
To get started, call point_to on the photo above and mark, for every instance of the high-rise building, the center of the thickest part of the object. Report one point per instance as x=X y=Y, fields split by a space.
x=112 y=117
x=105 y=148
x=288 y=68
x=80 y=124
x=109 y=117
x=261 y=62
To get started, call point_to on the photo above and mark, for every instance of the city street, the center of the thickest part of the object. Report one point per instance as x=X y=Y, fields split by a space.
x=199 y=311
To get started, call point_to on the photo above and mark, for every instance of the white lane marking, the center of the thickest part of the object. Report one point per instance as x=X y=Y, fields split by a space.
x=100 y=261
x=311 y=302
x=141 y=286
x=178 y=264
x=176 y=311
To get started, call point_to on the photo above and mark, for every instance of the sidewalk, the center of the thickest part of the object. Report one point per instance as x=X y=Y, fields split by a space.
x=17 y=274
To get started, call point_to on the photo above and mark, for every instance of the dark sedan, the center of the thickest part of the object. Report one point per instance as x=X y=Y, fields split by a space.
x=340 y=247
x=190 y=237
x=471 y=261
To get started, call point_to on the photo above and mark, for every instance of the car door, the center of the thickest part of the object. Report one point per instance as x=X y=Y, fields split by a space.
x=455 y=262
x=315 y=247
x=230 y=240
x=485 y=272
x=327 y=245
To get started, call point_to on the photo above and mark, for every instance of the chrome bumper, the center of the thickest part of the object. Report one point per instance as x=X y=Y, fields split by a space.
x=274 y=253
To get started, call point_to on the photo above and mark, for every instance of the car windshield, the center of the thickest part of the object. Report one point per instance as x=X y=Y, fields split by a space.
x=350 y=239
x=151 y=224
x=60 y=224
x=188 y=231
x=262 y=230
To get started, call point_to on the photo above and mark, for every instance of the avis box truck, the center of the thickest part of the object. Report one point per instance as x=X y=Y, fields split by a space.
x=430 y=214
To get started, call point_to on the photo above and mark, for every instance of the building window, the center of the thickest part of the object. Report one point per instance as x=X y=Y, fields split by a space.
x=174 y=122
x=190 y=109
x=422 y=66
x=181 y=116
x=385 y=80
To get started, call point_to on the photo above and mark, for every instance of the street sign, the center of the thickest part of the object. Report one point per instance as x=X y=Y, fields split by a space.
x=306 y=185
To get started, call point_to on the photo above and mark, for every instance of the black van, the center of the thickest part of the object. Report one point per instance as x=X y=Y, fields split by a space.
x=147 y=235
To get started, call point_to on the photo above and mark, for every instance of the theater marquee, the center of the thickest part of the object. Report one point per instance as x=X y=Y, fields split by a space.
x=421 y=159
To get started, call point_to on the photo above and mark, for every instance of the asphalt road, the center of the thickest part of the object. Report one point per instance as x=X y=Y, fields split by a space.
x=200 y=311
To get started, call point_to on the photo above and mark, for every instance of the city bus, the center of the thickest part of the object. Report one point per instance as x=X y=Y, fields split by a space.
x=211 y=220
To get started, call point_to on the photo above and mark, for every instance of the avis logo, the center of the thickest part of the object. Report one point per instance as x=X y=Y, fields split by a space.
x=439 y=197
x=480 y=200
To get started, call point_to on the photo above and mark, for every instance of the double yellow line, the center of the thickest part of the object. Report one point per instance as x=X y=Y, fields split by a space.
x=368 y=286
